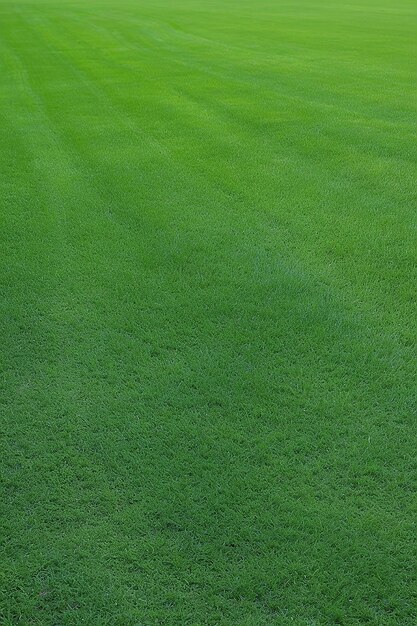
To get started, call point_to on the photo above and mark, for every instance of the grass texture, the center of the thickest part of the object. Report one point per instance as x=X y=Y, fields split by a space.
x=208 y=336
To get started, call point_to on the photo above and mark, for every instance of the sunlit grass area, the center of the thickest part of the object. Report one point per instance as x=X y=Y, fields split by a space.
x=208 y=312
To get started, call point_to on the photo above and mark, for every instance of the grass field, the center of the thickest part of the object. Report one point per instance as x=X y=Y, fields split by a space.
x=208 y=312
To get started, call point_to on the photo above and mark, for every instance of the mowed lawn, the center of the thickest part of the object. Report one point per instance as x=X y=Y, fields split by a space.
x=208 y=312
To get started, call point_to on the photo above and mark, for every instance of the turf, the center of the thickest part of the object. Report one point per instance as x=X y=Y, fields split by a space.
x=208 y=335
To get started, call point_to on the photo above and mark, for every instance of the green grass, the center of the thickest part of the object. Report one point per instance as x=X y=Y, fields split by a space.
x=208 y=335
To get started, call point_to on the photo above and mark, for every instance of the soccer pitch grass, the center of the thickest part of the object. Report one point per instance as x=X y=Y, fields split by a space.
x=208 y=325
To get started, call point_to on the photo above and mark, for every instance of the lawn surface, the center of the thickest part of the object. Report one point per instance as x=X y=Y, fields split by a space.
x=208 y=316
